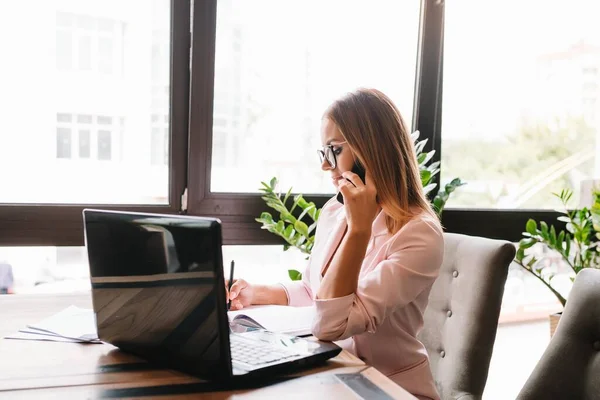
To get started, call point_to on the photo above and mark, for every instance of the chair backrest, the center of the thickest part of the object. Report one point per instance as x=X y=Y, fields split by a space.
x=461 y=320
x=570 y=365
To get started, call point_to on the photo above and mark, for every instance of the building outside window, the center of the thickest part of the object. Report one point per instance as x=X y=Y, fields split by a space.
x=87 y=137
x=89 y=43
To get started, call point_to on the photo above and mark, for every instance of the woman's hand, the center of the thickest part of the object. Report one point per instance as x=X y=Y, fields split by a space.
x=242 y=294
x=360 y=202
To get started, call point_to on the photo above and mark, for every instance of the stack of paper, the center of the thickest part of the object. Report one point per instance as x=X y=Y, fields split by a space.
x=294 y=321
x=73 y=324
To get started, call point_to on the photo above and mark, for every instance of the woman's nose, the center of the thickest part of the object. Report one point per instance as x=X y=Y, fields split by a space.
x=325 y=166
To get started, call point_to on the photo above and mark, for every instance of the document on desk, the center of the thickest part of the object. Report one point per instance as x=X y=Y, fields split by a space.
x=23 y=334
x=296 y=321
x=73 y=324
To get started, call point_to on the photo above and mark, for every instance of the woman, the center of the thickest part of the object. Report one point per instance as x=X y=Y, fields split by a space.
x=377 y=255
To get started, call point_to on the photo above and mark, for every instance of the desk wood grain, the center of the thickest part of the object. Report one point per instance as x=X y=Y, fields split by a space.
x=39 y=370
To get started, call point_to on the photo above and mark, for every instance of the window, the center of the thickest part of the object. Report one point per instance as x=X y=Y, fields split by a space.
x=519 y=110
x=519 y=123
x=63 y=143
x=119 y=86
x=160 y=139
x=49 y=269
x=274 y=77
x=89 y=43
x=84 y=143
x=98 y=129
x=88 y=133
x=104 y=145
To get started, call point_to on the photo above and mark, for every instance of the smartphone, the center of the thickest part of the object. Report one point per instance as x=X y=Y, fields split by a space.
x=359 y=170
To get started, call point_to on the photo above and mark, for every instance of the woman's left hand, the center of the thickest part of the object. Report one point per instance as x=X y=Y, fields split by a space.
x=360 y=202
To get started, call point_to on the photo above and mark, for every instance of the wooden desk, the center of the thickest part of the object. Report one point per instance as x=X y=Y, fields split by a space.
x=35 y=369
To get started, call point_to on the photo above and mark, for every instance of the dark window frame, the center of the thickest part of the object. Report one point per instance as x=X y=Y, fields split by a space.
x=62 y=224
x=191 y=118
x=507 y=224
x=237 y=211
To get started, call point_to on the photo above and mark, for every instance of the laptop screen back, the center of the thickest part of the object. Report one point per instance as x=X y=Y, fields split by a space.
x=157 y=288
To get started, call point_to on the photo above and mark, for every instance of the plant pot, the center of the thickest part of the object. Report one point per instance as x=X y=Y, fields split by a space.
x=554 y=319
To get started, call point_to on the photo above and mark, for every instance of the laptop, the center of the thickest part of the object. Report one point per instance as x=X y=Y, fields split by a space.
x=158 y=291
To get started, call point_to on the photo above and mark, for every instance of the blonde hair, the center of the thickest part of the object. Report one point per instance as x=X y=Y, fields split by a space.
x=375 y=131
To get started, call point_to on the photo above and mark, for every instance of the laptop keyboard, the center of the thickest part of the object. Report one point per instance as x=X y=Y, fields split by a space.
x=257 y=353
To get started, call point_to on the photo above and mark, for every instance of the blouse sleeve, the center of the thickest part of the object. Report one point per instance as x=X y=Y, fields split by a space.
x=411 y=266
x=298 y=292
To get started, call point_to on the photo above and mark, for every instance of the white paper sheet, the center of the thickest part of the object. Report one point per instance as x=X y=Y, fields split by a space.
x=30 y=335
x=72 y=322
x=295 y=321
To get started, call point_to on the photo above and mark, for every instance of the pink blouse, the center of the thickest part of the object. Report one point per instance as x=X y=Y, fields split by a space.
x=380 y=321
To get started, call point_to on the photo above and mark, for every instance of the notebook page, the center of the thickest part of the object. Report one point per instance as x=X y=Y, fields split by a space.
x=280 y=319
x=72 y=322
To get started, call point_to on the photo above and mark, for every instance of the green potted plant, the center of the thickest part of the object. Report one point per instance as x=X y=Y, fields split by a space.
x=576 y=245
x=298 y=218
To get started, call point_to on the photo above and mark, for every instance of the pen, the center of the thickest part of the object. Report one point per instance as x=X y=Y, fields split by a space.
x=230 y=283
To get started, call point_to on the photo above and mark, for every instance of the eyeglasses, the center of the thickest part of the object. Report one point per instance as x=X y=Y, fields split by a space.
x=328 y=153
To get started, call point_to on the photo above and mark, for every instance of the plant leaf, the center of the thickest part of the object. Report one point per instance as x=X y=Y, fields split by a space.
x=301 y=227
x=531 y=227
x=308 y=207
x=425 y=177
x=428 y=157
x=526 y=243
x=318 y=213
x=273 y=183
x=456 y=182
x=289 y=231
x=415 y=135
x=266 y=216
x=287 y=196
x=302 y=202
x=287 y=217
x=299 y=239
x=280 y=227
x=313 y=213
x=297 y=199
x=294 y=275
x=520 y=254
x=560 y=240
x=429 y=188
x=544 y=228
x=433 y=166
x=420 y=145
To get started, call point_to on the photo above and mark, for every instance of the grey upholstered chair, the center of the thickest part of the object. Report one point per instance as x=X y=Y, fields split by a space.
x=570 y=366
x=461 y=319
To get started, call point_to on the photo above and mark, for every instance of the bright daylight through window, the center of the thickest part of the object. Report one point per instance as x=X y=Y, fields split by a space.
x=88 y=100
x=274 y=77
x=88 y=94
x=521 y=117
